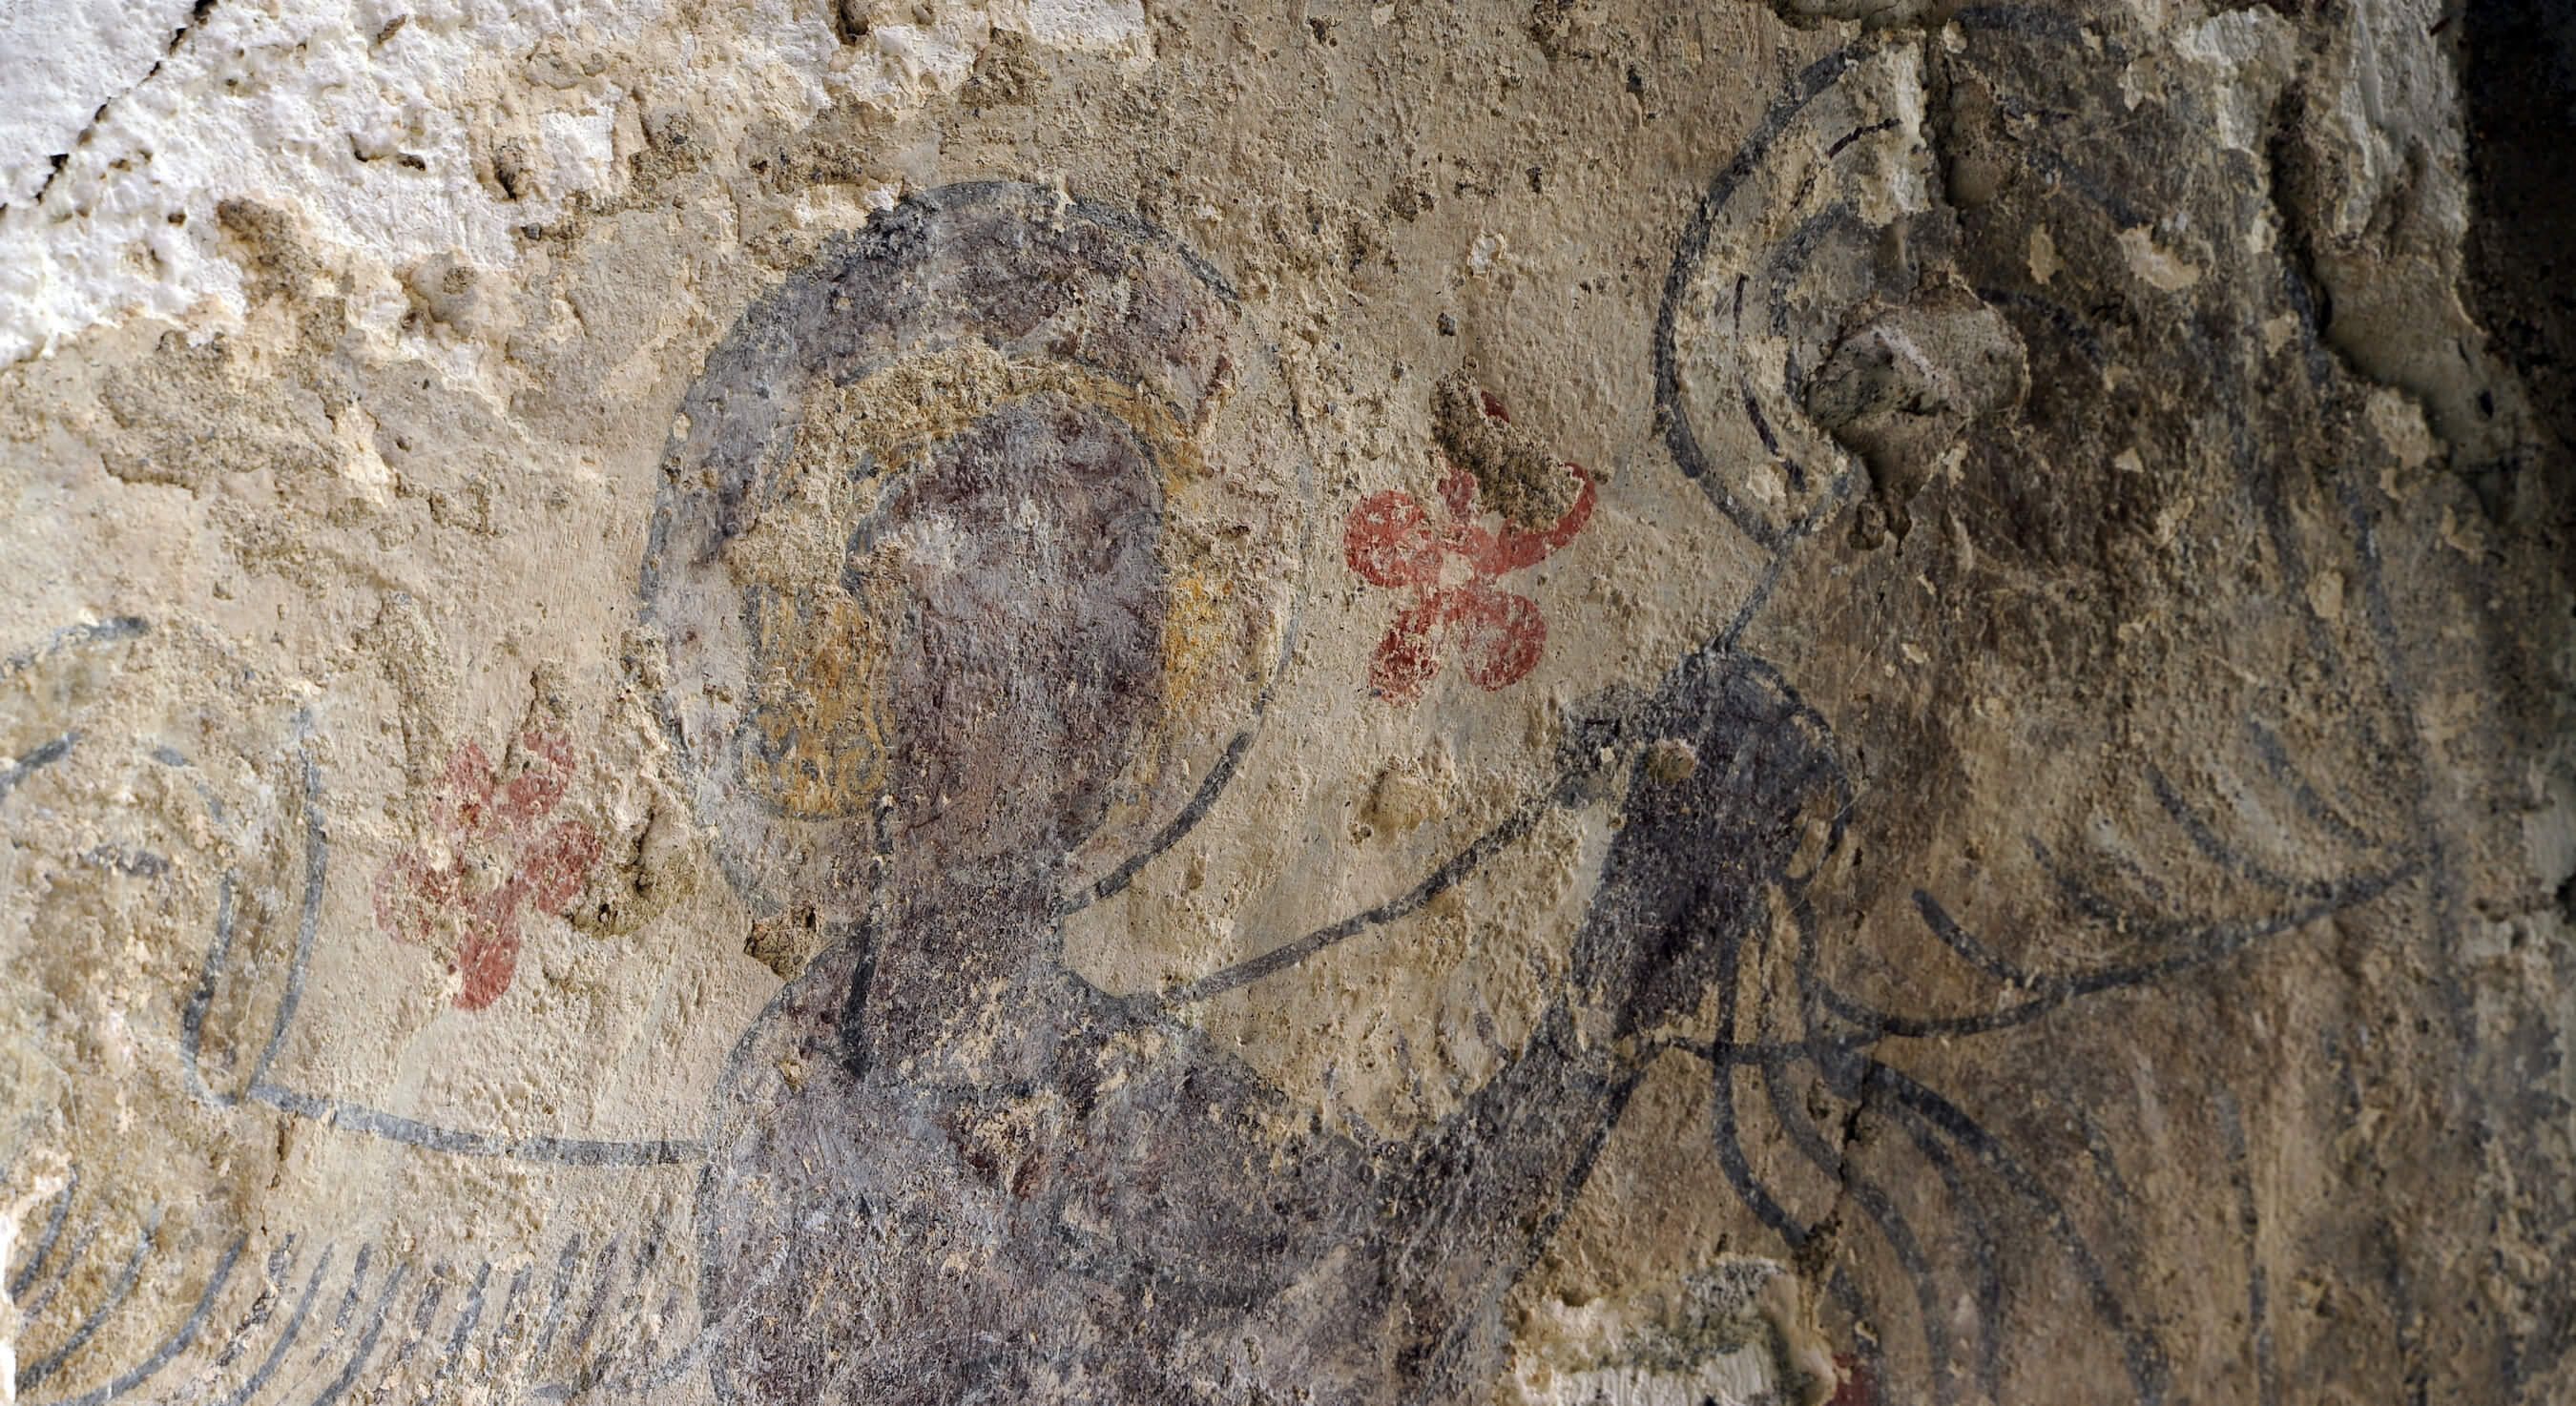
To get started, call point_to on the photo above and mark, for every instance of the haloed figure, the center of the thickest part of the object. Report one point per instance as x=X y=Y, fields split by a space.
x=963 y=1172
x=949 y=1169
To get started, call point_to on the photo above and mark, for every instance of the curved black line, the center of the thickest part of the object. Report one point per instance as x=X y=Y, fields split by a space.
x=604 y=1281
x=672 y=1368
x=340 y=1113
x=1762 y=427
x=2093 y=907
x=2258 y=1310
x=651 y=1375
x=1884 y=124
x=1518 y=825
x=1457 y=867
x=1980 y=1241
x=367 y=1341
x=509 y=1329
x=2218 y=851
x=565 y=1268
x=43 y=1249
x=37 y=759
x=263 y=1307
x=317 y=864
x=1835 y=495
x=339 y=1327
x=81 y=1243
x=1758 y=1199
x=286 y=1336
x=1789 y=253
x=898 y=235
x=573 y=1152
x=1729 y=1145
x=1692 y=248
x=2276 y=760
x=2089 y=903
x=2097 y=1144
x=170 y=1347
x=192 y=1018
x=587 y=1375
x=1969 y=949
x=1739 y=1169
x=356 y=1290
x=1187 y=820
x=424 y=1312
x=32 y=1376
x=1873 y=1201
x=2148 y=1369
x=2217 y=941
x=117 y=627
x=1138 y=227
x=655 y=1375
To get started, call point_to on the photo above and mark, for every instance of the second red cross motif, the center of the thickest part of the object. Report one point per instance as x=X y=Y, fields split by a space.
x=491 y=860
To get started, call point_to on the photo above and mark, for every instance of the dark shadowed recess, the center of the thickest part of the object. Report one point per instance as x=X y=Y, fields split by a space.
x=2518 y=75
x=2518 y=83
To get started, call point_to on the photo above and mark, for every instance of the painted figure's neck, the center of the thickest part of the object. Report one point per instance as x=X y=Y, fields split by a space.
x=953 y=951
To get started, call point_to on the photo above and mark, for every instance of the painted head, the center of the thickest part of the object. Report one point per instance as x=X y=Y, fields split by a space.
x=940 y=531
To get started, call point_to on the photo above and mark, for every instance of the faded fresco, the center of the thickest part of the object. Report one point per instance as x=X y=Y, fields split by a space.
x=1704 y=706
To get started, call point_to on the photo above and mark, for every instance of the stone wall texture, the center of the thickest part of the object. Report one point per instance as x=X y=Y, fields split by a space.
x=1050 y=701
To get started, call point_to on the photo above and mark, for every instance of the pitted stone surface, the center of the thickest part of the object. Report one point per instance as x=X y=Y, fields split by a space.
x=1086 y=702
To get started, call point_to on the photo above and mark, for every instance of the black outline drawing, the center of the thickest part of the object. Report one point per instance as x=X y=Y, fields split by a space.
x=1842 y=1033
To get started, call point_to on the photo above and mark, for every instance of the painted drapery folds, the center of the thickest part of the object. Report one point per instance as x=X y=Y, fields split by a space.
x=1806 y=708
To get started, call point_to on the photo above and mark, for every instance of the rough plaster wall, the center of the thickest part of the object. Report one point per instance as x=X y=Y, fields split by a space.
x=1081 y=701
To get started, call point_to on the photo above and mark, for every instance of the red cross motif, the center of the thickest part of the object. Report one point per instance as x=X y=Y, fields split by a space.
x=1452 y=567
x=491 y=860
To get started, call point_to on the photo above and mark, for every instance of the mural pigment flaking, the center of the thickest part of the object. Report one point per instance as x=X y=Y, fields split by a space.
x=1050 y=876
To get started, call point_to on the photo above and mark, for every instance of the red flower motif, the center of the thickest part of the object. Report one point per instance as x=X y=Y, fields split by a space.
x=494 y=861
x=1392 y=542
